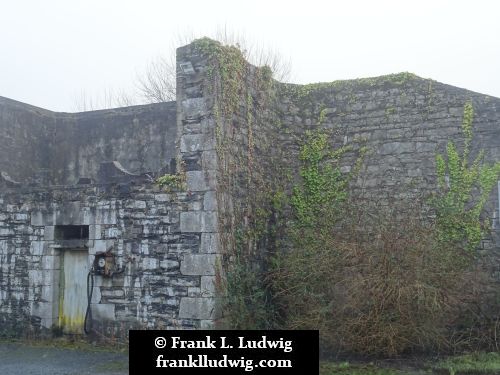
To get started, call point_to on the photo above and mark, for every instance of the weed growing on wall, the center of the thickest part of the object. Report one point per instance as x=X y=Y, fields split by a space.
x=173 y=181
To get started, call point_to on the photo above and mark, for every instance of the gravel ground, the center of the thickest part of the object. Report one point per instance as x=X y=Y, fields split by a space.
x=25 y=359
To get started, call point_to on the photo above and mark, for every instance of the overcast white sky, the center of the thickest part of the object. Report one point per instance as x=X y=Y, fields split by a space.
x=53 y=50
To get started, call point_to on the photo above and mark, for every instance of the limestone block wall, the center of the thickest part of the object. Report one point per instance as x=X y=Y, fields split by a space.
x=198 y=159
x=404 y=120
x=165 y=252
x=141 y=138
x=168 y=244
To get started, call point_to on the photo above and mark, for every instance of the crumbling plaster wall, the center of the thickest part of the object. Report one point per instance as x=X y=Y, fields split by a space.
x=60 y=148
x=23 y=131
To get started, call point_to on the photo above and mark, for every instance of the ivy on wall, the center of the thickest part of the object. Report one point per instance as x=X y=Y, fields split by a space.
x=463 y=190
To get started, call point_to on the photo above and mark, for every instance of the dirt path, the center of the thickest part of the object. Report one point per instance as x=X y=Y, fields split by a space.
x=24 y=359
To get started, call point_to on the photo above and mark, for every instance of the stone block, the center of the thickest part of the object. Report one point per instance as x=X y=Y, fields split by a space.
x=191 y=142
x=210 y=201
x=198 y=221
x=207 y=288
x=191 y=221
x=193 y=292
x=136 y=205
x=42 y=309
x=105 y=216
x=193 y=108
x=37 y=218
x=95 y=232
x=48 y=233
x=209 y=220
x=162 y=197
x=149 y=263
x=50 y=293
x=209 y=160
x=197 y=308
x=196 y=181
x=209 y=243
x=51 y=262
x=198 y=264
x=169 y=265
x=104 y=311
x=36 y=247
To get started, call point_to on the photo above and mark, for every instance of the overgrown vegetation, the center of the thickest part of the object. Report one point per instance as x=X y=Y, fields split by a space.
x=379 y=280
x=375 y=279
x=386 y=279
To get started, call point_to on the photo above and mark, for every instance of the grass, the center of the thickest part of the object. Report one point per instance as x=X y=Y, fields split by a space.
x=470 y=364
x=112 y=366
x=69 y=343
x=346 y=368
x=467 y=364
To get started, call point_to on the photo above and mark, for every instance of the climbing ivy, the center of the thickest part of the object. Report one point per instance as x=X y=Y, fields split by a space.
x=240 y=92
x=322 y=185
x=463 y=190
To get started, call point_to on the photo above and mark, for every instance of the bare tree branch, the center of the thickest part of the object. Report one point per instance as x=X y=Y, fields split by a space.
x=157 y=84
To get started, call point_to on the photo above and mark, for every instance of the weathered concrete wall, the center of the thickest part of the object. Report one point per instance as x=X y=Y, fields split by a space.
x=141 y=138
x=65 y=147
x=24 y=130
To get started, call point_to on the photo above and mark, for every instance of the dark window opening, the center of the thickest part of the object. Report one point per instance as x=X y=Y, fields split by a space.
x=71 y=232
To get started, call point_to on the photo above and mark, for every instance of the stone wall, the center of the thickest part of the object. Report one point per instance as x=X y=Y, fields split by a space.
x=166 y=255
x=404 y=121
x=232 y=151
x=164 y=240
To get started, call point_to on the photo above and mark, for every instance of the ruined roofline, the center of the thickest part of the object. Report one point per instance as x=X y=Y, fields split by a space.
x=393 y=79
x=15 y=104
x=213 y=46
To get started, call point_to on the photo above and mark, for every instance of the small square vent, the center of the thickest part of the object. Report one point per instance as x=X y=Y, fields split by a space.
x=71 y=232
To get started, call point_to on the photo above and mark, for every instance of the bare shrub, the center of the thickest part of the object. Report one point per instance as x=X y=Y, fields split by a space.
x=379 y=286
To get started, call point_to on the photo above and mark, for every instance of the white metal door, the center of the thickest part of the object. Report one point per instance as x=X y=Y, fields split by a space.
x=73 y=291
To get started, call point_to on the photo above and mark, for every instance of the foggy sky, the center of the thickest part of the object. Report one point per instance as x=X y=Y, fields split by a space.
x=52 y=51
